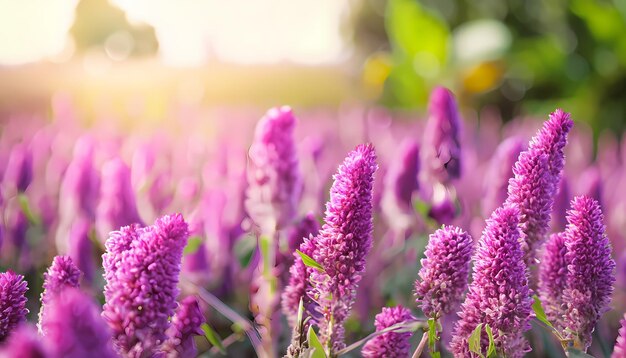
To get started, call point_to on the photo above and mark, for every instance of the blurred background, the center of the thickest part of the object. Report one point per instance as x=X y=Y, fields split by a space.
x=135 y=60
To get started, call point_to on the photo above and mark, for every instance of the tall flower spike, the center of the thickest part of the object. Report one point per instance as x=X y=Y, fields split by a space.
x=401 y=181
x=299 y=285
x=80 y=247
x=185 y=324
x=590 y=270
x=499 y=172
x=19 y=168
x=141 y=269
x=274 y=178
x=553 y=278
x=12 y=302
x=619 y=351
x=441 y=148
x=117 y=206
x=62 y=274
x=74 y=328
x=391 y=344
x=343 y=244
x=537 y=174
x=24 y=343
x=444 y=272
x=499 y=294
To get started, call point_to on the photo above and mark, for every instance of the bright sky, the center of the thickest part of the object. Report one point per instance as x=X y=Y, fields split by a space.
x=190 y=31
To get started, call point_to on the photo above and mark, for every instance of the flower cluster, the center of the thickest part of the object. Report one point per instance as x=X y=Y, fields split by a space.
x=390 y=344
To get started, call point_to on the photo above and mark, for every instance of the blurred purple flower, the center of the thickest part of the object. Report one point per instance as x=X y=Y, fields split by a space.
x=619 y=350
x=306 y=227
x=445 y=271
x=499 y=172
x=274 y=178
x=19 y=168
x=442 y=209
x=185 y=324
x=561 y=204
x=117 y=206
x=401 y=181
x=12 y=302
x=62 y=274
x=80 y=247
x=441 y=147
x=553 y=278
x=74 y=328
x=590 y=270
x=81 y=182
x=499 y=293
x=24 y=343
x=590 y=184
x=343 y=243
x=391 y=344
x=141 y=267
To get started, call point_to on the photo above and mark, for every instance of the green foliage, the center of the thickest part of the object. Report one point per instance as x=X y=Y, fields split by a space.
x=315 y=344
x=192 y=246
x=213 y=337
x=308 y=261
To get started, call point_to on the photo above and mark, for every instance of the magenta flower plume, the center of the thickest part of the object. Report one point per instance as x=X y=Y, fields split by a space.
x=74 y=328
x=590 y=270
x=389 y=344
x=12 y=302
x=401 y=181
x=343 y=243
x=185 y=324
x=24 y=343
x=62 y=274
x=117 y=206
x=498 y=295
x=274 y=177
x=619 y=351
x=553 y=278
x=299 y=285
x=441 y=147
x=141 y=269
x=499 y=172
x=444 y=272
x=19 y=168
x=537 y=174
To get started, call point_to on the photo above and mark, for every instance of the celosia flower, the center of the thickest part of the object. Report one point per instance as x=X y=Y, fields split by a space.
x=444 y=272
x=299 y=285
x=12 y=302
x=74 y=328
x=185 y=324
x=62 y=274
x=401 y=181
x=19 y=168
x=390 y=344
x=117 y=206
x=498 y=295
x=141 y=268
x=499 y=172
x=274 y=178
x=590 y=270
x=24 y=343
x=553 y=278
x=441 y=148
x=536 y=177
x=343 y=243
x=619 y=351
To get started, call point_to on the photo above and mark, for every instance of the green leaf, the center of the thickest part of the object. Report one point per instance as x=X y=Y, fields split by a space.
x=492 y=345
x=432 y=332
x=575 y=353
x=314 y=343
x=264 y=246
x=308 y=261
x=25 y=206
x=540 y=313
x=244 y=249
x=193 y=244
x=213 y=337
x=474 y=340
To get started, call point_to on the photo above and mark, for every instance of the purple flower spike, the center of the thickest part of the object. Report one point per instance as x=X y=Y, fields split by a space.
x=401 y=181
x=499 y=294
x=74 y=328
x=389 y=344
x=445 y=271
x=185 y=324
x=80 y=247
x=24 y=343
x=299 y=285
x=141 y=267
x=537 y=174
x=619 y=351
x=274 y=178
x=343 y=243
x=62 y=274
x=553 y=278
x=499 y=172
x=306 y=227
x=117 y=206
x=81 y=182
x=19 y=170
x=441 y=148
x=590 y=270
x=12 y=302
